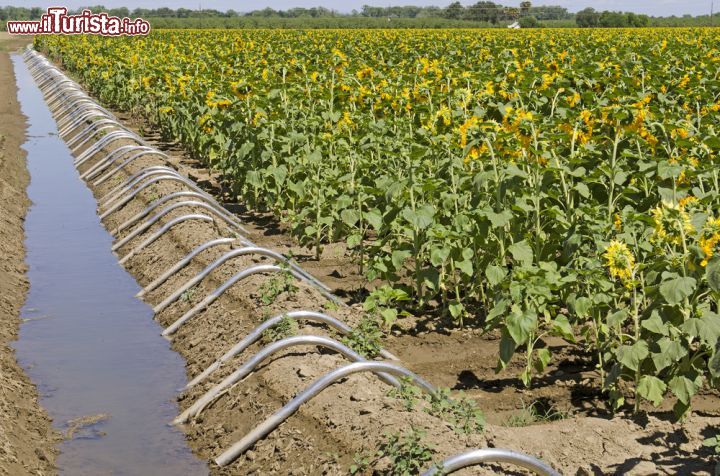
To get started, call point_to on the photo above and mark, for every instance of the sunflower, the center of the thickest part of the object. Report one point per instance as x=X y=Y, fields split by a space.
x=710 y=239
x=671 y=222
x=619 y=261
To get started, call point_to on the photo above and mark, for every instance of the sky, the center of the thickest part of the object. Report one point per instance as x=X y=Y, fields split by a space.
x=649 y=7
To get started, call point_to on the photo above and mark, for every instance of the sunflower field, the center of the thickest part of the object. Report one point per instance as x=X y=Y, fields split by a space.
x=535 y=182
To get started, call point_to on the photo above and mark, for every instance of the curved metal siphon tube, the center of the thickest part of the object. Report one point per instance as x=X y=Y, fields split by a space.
x=89 y=129
x=220 y=261
x=111 y=157
x=210 y=298
x=154 y=219
x=70 y=99
x=153 y=205
x=257 y=333
x=491 y=455
x=86 y=115
x=181 y=264
x=88 y=153
x=163 y=174
x=131 y=181
x=248 y=367
x=117 y=204
x=161 y=231
x=76 y=149
x=64 y=92
x=260 y=431
x=111 y=198
x=119 y=167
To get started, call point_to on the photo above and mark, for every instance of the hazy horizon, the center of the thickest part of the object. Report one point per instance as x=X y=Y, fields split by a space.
x=649 y=7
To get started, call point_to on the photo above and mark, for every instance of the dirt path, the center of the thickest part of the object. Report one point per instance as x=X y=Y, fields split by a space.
x=26 y=437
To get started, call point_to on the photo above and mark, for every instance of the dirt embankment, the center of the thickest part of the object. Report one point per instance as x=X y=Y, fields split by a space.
x=26 y=436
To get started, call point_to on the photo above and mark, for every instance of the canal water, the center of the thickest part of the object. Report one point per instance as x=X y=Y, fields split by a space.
x=90 y=346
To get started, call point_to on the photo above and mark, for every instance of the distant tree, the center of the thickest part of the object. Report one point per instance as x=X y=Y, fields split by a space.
x=525 y=7
x=163 y=12
x=550 y=13
x=613 y=20
x=454 y=11
x=512 y=13
x=483 y=11
x=529 y=22
x=637 y=21
x=141 y=12
x=265 y=12
x=587 y=18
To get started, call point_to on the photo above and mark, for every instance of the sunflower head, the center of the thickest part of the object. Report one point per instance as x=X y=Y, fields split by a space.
x=671 y=222
x=710 y=239
x=619 y=261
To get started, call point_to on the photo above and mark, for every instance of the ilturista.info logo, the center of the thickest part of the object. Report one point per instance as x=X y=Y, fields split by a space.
x=57 y=22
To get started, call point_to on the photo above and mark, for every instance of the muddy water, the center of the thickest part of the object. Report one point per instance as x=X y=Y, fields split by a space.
x=90 y=346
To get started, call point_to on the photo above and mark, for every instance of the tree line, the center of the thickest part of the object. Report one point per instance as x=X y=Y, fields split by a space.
x=455 y=15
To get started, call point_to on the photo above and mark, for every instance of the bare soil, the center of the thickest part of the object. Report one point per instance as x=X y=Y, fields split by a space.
x=351 y=418
x=27 y=440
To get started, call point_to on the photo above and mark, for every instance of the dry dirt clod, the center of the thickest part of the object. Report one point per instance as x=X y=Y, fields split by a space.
x=304 y=372
x=643 y=468
x=584 y=470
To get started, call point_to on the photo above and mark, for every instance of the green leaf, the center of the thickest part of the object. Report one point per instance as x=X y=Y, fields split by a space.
x=438 y=256
x=561 y=326
x=465 y=266
x=389 y=315
x=507 y=349
x=714 y=441
x=350 y=216
x=543 y=358
x=620 y=177
x=519 y=324
x=714 y=364
x=693 y=327
x=712 y=273
x=583 y=306
x=676 y=290
x=655 y=324
x=399 y=257
x=683 y=388
x=522 y=252
x=456 y=309
x=513 y=170
x=617 y=318
x=706 y=328
x=430 y=277
x=582 y=189
x=353 y=240
x=498 y=310
x=501 y=219
x=374 y=218
x=671 y=351
x=526 y=376
x=420 y=218
x=495 y=274
x=632 y=355
x=652 y=389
